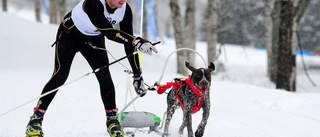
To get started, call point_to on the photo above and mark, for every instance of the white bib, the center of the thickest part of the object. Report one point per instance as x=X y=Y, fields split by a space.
x=84 y=24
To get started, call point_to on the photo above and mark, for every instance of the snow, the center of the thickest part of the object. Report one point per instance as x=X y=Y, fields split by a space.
x=244 y=103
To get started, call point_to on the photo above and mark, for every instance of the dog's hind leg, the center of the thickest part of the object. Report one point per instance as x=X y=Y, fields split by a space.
x=172 y=106
x=189 y=124
x=184 y=124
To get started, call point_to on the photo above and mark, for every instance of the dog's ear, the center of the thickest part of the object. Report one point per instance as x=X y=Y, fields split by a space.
x=211 y=67
x=190 y=67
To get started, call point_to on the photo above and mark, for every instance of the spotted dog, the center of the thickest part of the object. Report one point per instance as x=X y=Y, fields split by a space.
x=191 y=94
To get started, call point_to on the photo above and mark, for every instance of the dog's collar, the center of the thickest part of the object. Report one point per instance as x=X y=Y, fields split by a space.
x=198 y=91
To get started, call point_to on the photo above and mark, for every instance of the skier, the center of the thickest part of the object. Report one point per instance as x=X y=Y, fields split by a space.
x=83 y=28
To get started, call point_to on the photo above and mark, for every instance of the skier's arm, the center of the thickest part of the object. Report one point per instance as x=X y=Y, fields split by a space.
x=126 y=26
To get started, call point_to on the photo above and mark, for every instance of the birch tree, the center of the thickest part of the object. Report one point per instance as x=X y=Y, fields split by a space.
x=53 y=12
x=286 y=70
x=38 y=10
x=4 y=5
x=62 y=9
x=291 y=12
x=57 y=11
x=272 y=50
x=212 y=38
x=145 y=20
x=190 y=37
x=268 y=34
x=177 y=25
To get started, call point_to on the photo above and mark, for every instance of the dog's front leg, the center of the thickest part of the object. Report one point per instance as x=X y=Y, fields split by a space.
x=205 y=116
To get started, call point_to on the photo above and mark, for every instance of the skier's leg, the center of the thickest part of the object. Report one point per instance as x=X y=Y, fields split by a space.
x=96 y=59
x=64 y=54
x=99 y=58
x=63 y=60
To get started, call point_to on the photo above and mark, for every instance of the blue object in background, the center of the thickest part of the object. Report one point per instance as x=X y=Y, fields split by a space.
x=304 y=53
x=152 y=23
x=298 y=52
x=262 y=48
x=46 y=6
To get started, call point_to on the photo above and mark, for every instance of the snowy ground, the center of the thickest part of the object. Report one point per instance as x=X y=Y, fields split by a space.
x=243 y=102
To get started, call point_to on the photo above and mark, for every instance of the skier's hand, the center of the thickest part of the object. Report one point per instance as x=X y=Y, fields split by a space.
x=138 y=85
x=144 y=46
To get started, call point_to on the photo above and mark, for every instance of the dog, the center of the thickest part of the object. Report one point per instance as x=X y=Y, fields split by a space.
x=183 y=95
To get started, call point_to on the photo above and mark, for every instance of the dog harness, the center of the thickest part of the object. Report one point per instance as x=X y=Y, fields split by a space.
x=177 y=85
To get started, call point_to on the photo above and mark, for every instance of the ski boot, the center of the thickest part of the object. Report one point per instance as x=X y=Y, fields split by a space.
x=113 y=125
x=34 y=127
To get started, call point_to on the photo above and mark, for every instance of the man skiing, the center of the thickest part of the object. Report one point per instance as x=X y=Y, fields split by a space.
x=83 y=28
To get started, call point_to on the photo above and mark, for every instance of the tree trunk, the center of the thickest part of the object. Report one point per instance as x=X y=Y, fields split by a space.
x=291 y=13
x=145 y=20
x=176 y=20
x=4 y=5
x=53 y=12
x=301 y=8
x=38 y=10
x=268 y=34
x=286 y=77
x=212 y=38
x=190 y=29
x=62 y=9
x=273 y=51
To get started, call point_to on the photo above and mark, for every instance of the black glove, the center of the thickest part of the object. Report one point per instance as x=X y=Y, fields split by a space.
x=144 y=46
x=138 y=85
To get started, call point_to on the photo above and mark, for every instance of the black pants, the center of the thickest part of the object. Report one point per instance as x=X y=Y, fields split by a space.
x=70 y=41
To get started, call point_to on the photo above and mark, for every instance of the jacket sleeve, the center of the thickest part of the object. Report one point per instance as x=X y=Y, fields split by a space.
x=127 y=26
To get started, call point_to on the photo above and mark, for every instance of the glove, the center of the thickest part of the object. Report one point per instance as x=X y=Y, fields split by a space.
x=144 y=46
x=138 y=85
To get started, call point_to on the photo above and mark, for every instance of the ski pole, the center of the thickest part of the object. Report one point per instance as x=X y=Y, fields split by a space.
x=125 y=107
x=131 y=102
x=57 y=88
